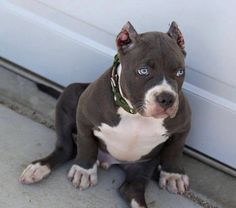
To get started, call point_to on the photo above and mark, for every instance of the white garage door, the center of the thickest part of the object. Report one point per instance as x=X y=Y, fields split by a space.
x=73 y=41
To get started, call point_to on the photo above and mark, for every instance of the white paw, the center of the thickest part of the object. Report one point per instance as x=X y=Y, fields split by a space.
x=83 y=178
x=34 y=173
x=174 y=182
x=135 y=204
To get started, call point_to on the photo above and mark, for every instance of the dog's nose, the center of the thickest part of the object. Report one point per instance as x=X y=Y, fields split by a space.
x=165 y=100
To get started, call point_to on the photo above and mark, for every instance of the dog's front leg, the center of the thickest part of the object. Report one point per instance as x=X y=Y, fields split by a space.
x=137 y=177
x=172 y=174
x=83 y=173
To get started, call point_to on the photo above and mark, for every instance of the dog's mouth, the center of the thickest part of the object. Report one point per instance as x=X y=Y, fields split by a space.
x=158 y=113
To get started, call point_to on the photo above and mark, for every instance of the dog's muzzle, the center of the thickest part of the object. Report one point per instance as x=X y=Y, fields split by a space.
x=162 y=105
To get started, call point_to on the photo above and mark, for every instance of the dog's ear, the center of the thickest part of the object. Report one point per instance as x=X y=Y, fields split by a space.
x=175 y=33
x=126 y=38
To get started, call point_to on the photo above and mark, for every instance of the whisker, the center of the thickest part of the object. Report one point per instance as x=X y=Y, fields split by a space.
x=140 y=106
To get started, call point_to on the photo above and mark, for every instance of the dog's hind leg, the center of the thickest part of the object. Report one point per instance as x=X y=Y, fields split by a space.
x=65 y=127
x=137 y=177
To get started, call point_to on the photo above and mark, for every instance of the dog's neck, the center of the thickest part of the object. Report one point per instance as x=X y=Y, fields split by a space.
x=119 y=98
x=119 y=69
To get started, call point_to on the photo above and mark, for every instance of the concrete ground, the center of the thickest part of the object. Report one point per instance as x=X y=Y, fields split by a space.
x=24 y=139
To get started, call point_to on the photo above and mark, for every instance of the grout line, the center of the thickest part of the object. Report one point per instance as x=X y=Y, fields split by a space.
x=198 y=200
x=26 y=111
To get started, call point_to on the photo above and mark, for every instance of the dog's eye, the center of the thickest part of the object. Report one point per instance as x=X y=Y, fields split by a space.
x=180 y=72
x=143 y=71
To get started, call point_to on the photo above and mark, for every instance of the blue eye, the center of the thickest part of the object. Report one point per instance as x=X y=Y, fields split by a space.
x=180 y=72
x=143 y=71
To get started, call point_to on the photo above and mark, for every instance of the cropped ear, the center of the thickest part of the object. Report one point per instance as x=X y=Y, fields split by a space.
x=175 y=33
x=126 y=38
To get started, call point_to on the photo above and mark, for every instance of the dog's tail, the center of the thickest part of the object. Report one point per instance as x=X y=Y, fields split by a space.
x=48 y=90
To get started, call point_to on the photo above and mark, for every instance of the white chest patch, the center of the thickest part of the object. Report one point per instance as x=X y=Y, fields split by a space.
x=134 y=136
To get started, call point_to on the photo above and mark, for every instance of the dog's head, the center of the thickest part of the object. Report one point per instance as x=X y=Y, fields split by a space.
x=153 y=70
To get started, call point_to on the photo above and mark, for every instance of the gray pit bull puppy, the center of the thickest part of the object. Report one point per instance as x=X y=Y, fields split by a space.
x=135 y=116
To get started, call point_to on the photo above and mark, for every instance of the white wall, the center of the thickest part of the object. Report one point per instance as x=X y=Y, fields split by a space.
x=73 y=40
x=208 y=26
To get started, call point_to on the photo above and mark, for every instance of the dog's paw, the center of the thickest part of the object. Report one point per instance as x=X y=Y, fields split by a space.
x=34 y=173
x=135 y=204
x=83 y=178
x=174 y=182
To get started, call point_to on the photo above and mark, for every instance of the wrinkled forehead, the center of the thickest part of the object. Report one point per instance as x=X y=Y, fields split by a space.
x=156 y=48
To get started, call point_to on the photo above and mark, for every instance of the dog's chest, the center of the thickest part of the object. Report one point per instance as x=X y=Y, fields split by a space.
x=134 y=136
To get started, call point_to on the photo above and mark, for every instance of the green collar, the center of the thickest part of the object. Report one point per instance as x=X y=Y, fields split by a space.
x=118 y=98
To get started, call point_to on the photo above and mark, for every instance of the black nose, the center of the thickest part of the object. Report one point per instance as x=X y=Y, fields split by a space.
x=165 y=99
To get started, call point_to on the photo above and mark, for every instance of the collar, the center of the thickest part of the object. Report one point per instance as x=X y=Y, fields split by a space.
x=118 y=98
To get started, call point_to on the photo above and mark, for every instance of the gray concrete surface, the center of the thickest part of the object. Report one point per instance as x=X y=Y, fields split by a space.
x=24 y=92
x=23 y=140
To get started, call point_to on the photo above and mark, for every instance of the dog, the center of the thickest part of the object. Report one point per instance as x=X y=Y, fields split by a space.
x=135 y=116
